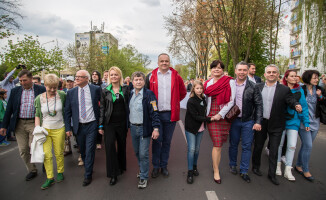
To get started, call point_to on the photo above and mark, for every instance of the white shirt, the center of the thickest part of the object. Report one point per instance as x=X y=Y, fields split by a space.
x=164 y=90
x=252 y=79
x=89 y=105
x=268 y=97
x=49 y=122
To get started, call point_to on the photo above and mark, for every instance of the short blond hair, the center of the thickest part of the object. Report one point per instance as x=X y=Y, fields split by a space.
x=116 y=69
x=51 y=80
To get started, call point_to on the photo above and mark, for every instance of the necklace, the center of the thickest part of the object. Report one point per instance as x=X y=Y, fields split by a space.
x=54 y=112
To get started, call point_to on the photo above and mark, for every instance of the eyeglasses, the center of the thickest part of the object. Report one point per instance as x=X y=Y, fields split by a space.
x=80 y=76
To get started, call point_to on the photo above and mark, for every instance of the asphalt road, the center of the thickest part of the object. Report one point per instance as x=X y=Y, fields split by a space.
x=14 y=186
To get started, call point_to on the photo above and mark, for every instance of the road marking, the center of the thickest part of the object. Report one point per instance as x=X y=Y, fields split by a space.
x=211 y=195
x=182 y=129
x=8 y=151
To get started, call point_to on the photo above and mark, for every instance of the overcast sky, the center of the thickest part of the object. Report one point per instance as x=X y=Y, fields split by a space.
x=136 y=22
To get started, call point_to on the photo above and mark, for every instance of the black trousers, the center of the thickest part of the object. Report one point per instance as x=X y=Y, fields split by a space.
x=274 y=141
x=99 y=138
x=115 y=147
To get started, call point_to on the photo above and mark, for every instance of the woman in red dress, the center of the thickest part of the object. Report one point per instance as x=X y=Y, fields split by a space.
x=220 y=90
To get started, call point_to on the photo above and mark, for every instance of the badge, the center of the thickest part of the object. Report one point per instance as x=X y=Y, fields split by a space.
x=154 y=105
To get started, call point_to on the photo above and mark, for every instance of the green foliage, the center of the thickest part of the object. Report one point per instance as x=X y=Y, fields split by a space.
x=183 y=71
x=30 y=53
x=3 y=69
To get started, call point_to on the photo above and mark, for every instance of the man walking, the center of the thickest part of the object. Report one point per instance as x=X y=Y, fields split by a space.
x=249 y=100
x=20 y=117
x=276 y=98
x=144 y=123
x=169 y=90
x=82 y=107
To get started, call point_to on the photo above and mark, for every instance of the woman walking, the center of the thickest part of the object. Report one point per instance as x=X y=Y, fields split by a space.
x=220 y=90
x=114 y=111
x=49 y=112
x=195 y=125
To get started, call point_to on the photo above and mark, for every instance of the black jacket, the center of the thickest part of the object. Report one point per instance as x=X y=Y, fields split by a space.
x=283 y=97
x=106 y=105
x=151 y=117
x=321 y=104
x=257 y=79
x=252 y=103
x=13 y=108
x=196 y=114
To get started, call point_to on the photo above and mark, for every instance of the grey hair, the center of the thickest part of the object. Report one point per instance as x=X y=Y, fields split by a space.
x=87 y=74
x=272 y=65
x=137 y=74
x=242 y=63
x=163 y=54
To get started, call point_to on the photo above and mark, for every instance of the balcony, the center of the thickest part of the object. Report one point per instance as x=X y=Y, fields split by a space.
x=296 y=29
x=294 y=43
x=296 y=54
x=296 y=5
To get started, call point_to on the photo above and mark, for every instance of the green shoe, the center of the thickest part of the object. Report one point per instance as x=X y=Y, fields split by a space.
x=47 y=184
x=60 y=177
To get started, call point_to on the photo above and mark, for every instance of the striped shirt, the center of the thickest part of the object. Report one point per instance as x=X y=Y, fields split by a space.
x=27 y=109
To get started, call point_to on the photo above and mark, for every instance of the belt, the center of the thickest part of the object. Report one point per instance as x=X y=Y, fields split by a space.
x=265 y=119
x=27 y=118
x=165 y=111
x=84 y=124
x=136 y=124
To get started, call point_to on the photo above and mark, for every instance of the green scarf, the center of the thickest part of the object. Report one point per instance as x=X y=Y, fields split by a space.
x=112 y=92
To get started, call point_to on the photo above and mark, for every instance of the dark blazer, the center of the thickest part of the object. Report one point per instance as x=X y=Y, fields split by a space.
x=151 y=118
x=257 y=79
x=72 y=106
x=283 y=97
x=106 y=105
x=13 y=107
x=252 y=103
x=195 y=114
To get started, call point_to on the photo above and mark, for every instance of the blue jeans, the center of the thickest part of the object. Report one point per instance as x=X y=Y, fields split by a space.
x=244 y=130
x=292 y=136
x=161 y=146
x=307 y=137
x=193 y=142
x=86 y=137
x=141 y=148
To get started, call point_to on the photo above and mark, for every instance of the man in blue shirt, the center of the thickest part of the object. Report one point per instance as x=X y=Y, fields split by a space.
x=144 y=123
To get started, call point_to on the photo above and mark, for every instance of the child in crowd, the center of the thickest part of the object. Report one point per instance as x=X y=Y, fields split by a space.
x=3 y=105
x=195 y=126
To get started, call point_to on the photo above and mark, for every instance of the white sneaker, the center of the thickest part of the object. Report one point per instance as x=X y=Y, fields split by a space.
x=98 y=146
x=79 y=158
x=138 y=175
x=142 y=184
x=283 y=159
x=267 y=151
x=288 y=173
x=80 y=163
x=278 y=169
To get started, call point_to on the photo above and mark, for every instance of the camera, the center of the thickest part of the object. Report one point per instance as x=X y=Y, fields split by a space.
x=21 y=66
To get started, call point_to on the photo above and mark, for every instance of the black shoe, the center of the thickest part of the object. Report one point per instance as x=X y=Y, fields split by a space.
x=155 y=173
x=257 y=171
x=165 y=172
x=87 y=181
x=245 y=177
x=273 y=180
x=12 y=138
x=195 y=171
x=190 y=177
x=300 y=172
x=113 y=180
x=310 y=178
x=31 y=175
x=233 y=170
x=75 y=146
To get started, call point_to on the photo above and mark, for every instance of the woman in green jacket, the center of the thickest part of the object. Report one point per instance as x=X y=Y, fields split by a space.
x=49 y=114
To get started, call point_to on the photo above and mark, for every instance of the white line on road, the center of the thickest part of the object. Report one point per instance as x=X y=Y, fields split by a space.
x=182 y=129
x=8 y=151
x=211 y=195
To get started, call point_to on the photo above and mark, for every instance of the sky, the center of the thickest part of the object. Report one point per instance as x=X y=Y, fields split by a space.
x=136 y=22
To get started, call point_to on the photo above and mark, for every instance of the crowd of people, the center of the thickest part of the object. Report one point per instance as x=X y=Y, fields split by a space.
x=92 y=109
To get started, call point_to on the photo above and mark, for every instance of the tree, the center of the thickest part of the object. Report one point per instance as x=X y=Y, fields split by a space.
x=9 y=16
x=30 y=53
x=183 y=71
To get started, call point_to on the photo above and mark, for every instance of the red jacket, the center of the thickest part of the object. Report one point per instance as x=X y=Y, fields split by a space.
x=178 y=91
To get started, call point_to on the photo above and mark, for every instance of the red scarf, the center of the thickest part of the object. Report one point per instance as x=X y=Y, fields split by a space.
x=221 y=89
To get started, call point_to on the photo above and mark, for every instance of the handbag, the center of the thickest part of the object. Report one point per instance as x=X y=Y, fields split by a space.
x=233 y=113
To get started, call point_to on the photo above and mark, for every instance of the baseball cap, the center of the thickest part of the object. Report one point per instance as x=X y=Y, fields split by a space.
x=70 y=78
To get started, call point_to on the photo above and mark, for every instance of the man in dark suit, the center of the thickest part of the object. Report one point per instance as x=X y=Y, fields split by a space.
x=251 y=75
x=82 y=107
x=276 y=97
x=20 y=115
